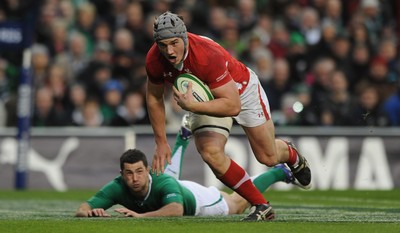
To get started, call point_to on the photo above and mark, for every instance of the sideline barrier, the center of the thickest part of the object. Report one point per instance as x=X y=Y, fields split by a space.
x=82 y=158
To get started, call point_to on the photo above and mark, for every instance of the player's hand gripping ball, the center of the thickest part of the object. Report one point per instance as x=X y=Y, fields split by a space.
x=200 y=91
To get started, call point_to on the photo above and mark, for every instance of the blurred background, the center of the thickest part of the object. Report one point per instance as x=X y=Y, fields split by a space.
x=323 y=63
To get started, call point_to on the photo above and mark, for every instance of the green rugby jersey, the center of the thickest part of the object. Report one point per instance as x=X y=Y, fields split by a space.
x=164 y=190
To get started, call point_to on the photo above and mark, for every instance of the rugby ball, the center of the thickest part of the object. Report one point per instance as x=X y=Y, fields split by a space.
x=200 y=91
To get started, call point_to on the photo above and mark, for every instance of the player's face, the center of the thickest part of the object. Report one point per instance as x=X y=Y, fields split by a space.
x=136 y=177
x=173 y=49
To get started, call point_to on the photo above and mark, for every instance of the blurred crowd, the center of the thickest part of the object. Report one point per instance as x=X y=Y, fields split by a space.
x=321 y=62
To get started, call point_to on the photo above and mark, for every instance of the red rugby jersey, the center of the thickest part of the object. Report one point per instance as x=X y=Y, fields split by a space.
x=206 y=60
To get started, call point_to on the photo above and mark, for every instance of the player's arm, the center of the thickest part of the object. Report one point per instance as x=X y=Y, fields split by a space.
x=226 y=101
x=85 y=210
x=170 y=210
x=102 y=200
x=156 y=110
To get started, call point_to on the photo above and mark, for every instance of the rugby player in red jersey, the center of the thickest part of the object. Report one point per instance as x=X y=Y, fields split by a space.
x=238 y=95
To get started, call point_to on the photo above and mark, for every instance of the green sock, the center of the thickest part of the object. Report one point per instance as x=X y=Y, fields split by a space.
x=174 y=169
x=180 y=142
x=268 y=178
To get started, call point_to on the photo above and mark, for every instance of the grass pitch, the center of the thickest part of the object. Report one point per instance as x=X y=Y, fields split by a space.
x=297 y=211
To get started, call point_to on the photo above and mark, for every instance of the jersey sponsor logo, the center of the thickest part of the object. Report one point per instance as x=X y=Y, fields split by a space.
x=171 y=195
x=169 y=74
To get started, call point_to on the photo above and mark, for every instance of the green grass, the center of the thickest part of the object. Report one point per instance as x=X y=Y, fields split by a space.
x=297 y=211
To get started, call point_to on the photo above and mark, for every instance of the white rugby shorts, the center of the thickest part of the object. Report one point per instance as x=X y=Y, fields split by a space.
x=209 y=201
x=255 y=111
x=255 y=105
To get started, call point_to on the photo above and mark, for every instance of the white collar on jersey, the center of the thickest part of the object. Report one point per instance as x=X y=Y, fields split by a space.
x=180 y=65
x=148 y=192
x=140 y=203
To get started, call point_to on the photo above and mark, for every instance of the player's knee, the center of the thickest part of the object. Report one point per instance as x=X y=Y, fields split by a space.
x=268 y=160
x=212 y=155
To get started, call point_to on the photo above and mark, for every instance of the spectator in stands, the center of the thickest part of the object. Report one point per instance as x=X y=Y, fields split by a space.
x=306 y=113
x=340 y=104
x=310 y=26
x=57 y=84
x=124 y=64
x=135 y=23
x=47 y=15
x=40 y=64
x=75 y=59
x=113 y=94
x=360 y=56
x=392 y=108
x=247 y=16
x=101 y=32
x=372 y=19
x=124 y=56
x=369 y=110
x=67 y=12
x=378 y=75
x=230 y=40
x=102 y=53
x=263 y=64
x=387 y=50
x=44 y=113
x=254 y=44
x=318 y=80
x=341 y=54
x=85 y=24
x=217 y=21
x=94 y=82
x=359 y=35
x=77 y=99
x=147 y=37
x=286 y=115
x=123 y=40
x=297 y=57
x=292 y=15
x=90 y=115
x=333 y=13
x=99 y=63
x=279 y=40
x=133 y=112
x=263 y=29
x=58 y=37
x=278 y=85
x=134 y=18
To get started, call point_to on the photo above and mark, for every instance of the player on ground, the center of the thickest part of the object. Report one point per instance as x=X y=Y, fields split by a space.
x=237 y=94
x=144 y=194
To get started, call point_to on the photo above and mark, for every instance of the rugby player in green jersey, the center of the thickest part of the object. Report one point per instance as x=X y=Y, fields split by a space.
x=142 y=193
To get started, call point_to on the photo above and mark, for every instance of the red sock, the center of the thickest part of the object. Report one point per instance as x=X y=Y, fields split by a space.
x=292 y=155
x=237 y=179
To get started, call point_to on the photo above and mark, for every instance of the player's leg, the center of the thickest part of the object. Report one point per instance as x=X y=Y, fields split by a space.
x=280 y=172
x=182 y=141
x=259 y=127
x=270 y=151
x=211 y=135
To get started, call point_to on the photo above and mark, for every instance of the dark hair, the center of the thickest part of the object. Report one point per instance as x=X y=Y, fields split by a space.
x=132 y=156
